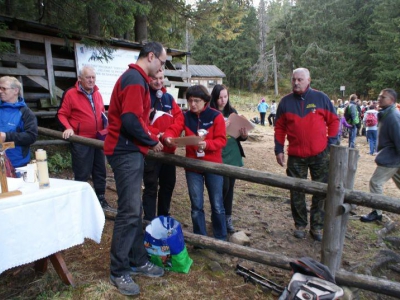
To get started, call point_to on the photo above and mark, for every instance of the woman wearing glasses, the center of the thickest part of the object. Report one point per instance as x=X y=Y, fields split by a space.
x=201 y=120
x=17 y=122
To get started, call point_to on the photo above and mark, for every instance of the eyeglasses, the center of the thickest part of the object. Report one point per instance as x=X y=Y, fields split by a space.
x=161 y=61
x=3 y=89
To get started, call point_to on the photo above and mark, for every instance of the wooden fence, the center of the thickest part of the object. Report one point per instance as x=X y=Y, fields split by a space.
x=339 y=198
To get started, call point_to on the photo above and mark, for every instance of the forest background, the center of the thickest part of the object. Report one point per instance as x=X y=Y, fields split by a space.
x=351 y=43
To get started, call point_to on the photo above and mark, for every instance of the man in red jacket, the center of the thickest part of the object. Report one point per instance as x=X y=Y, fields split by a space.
x=164 y=112
x=309 y=121
x=128 y=140
x=80 y=113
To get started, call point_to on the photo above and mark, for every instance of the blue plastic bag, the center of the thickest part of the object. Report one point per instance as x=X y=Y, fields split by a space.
x=165 y=244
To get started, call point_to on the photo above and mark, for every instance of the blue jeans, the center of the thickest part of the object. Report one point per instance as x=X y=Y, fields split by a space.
x=371 y=137
x=195 y=183
x=352 y=136
x=127 y=248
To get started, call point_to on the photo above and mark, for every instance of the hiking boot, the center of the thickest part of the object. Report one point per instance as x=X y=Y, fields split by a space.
x=229 y=224
x=125 y=285
x=300 y=233
x=149 y=270
x=104 y=204
x=316 y=234
x=372 y=216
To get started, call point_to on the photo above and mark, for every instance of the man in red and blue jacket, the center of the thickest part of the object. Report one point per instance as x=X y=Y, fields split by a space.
x=128 y=140
x=309 y=121
x=159 y=178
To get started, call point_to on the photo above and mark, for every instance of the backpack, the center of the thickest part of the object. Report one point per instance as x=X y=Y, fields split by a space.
x=348 y=117
x=371 y=120
x=312 y=281
x=363 y=110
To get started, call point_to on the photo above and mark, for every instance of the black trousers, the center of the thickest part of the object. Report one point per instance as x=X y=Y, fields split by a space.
x=229 y=184
x=156 y=175
x=88 y=161
x=271 y=119
x=262 y=117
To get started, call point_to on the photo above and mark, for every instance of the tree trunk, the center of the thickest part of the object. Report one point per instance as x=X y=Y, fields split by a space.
x=140 y=28
x=93 y=21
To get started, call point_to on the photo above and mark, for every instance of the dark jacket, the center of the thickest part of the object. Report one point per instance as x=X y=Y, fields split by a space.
x=389 y=138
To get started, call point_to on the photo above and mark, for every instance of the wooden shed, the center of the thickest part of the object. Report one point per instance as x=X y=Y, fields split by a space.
x=207 y=75
x=45 y=61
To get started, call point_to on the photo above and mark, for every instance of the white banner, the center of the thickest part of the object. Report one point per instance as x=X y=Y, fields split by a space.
x=107 y=73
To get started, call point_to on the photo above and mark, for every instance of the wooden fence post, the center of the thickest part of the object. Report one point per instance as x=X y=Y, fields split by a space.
x=347 y=208
x=330 y=250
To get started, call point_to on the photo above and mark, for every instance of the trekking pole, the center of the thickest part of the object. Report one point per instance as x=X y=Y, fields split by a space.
x=253 y=277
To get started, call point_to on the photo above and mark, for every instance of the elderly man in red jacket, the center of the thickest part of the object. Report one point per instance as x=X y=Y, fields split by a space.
x=81 y=113
x=309 y=121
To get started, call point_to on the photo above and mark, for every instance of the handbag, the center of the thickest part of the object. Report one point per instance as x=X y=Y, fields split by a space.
x=165 y=245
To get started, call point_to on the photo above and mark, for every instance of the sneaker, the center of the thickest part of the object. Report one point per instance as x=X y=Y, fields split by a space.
x=316 y=234
x=149 y=269
x=125 y=285
x=300 y=233
x=104 y=204
x=372 y=216
x=229 y=224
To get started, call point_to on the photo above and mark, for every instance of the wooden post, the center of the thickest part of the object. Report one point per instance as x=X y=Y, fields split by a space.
x=348 y=184
x=59 y=266
x=18 y=51
x=330 y=250
x=3 y=171
x=50 y=72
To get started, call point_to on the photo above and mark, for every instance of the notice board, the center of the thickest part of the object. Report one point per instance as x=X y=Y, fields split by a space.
x=107 y=72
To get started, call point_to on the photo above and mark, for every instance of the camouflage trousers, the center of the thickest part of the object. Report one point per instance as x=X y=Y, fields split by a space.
x=319 y=168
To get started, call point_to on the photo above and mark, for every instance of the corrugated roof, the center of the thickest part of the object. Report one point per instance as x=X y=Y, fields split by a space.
x=205 y=71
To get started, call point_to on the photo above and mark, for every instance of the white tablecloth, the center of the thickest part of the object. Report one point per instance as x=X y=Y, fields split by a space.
x=41 y=222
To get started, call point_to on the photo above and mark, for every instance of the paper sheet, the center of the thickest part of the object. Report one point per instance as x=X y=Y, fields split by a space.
x=235 y=123
x=186 y=140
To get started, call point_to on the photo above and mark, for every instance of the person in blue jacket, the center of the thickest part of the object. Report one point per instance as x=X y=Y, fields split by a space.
x=18 y=123
x=262 y=109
